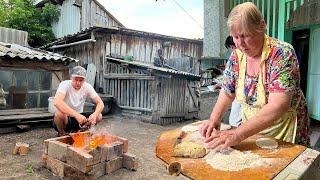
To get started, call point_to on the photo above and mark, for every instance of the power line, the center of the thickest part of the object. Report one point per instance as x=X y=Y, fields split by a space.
x=187 y=13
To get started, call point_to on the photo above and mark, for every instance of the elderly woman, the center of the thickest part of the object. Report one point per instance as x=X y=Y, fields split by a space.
x=263 y=75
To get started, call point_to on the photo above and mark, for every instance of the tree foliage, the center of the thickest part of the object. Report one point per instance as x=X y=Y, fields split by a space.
x=23 y=15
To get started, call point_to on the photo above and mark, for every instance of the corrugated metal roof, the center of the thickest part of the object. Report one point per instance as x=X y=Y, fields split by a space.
x=116 y=30
x=28 y=53
x=150 y=66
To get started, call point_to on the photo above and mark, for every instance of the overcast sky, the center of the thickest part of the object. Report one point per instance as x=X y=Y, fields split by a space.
x=162 y=16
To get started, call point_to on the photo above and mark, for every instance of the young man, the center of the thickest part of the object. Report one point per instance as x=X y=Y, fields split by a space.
x=69 y=101
x=235 y=114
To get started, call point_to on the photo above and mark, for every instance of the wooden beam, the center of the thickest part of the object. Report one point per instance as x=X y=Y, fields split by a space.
x=268 y=17
x=193 y=98
x=136 y=108
x=48 y=65
x=173 y=115
x=274 y=13
x=281 y=19
x=128 y=76
x=26 y=116
x=22 y=111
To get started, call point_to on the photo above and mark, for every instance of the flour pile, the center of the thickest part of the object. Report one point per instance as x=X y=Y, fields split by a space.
x=234 y=160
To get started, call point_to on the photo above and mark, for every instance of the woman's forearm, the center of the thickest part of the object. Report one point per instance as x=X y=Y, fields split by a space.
x=223 y=103
x=265 y=118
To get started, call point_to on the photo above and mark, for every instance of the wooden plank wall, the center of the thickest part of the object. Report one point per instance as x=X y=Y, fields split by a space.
x=164 y=97
x=92 y=14
x=145 y=49
x=303 y=15
x=94 y=53
x=131 y=89
x=170 y=105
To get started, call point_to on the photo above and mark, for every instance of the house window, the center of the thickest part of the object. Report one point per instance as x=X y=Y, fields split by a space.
x=26 y=88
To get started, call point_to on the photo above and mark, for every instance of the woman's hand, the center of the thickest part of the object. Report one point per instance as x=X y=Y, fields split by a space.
x=209 y=129
x=224 y=139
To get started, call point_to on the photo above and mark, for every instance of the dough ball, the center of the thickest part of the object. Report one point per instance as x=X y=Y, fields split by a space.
x=189 y=149
x=267 y=143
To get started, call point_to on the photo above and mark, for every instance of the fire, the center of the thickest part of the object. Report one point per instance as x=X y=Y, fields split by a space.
x=80 y=139
x=86 y=140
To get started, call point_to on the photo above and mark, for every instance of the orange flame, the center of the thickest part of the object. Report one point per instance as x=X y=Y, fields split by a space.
x=80 y=139
x=86 y=140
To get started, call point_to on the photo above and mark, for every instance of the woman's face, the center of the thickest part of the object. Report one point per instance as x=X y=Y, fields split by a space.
x=250 y=44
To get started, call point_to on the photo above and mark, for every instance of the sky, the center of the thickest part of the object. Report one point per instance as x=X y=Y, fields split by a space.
x=161 y=16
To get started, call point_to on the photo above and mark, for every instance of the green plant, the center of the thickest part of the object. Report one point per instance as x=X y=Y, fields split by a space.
x=23 y=15
x=29 y=169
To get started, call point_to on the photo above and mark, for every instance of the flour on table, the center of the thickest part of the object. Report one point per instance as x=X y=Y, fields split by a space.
x=195 y=127
x=194 y=136
x=234 y=160
x=190 y=128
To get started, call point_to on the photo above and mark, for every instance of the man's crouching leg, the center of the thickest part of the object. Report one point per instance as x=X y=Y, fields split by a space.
x=60 y=121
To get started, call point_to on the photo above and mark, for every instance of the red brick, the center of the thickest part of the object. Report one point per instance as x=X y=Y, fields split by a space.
x=96 y=154
x=113 y=165
x=124 y=141
x=63 y=139
x=111 y=151
x=72 y=173
x=130 y=161
x=98 y=170
x=58 y=150
x=79 y=159
x=44 y=158
x=55 y=166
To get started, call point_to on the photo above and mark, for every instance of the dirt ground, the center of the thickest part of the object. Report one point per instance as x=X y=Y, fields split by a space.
x=142 y=140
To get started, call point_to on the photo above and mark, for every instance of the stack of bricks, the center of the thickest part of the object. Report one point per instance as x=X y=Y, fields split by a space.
x=69 y=162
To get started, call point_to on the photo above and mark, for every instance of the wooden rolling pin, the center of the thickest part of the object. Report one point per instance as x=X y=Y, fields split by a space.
x=174 y=168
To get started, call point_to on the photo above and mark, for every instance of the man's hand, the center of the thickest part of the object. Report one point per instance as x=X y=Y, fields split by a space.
x=81 y=119
x=209 y=129
x=93 y=119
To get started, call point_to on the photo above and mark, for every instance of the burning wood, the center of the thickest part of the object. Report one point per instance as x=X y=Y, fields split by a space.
x=86 y=153
x=89 y=142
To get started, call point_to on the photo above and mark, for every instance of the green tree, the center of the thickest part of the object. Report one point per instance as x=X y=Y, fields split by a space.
x=23 y=15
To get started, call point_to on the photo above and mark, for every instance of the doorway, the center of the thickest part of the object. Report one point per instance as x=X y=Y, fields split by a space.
x=300 y=43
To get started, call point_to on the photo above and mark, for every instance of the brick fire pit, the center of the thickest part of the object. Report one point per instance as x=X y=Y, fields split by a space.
x=86 y=156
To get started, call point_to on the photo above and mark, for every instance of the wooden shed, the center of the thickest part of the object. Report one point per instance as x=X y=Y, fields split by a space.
x=28 y=77
x=107 y=48
x=159 y=95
